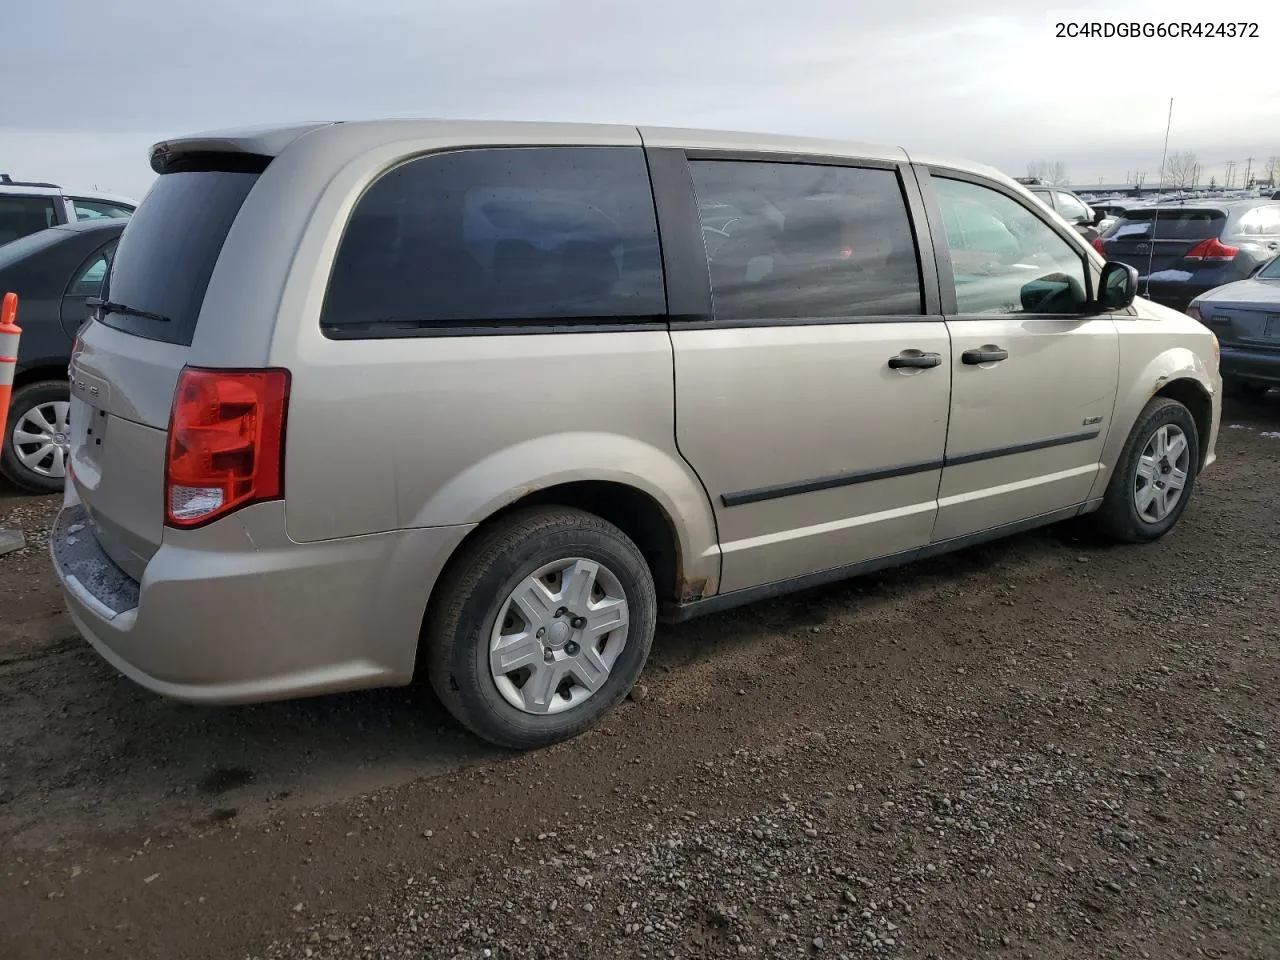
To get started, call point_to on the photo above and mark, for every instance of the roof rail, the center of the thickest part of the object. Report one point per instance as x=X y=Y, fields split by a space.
x=8 y=181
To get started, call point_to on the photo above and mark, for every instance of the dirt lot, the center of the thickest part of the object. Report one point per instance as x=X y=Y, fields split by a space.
x=1040 y=748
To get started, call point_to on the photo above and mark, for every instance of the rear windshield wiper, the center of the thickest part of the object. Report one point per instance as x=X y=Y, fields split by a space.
x=110 y=306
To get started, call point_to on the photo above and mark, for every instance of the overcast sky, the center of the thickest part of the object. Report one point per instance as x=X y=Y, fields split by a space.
x=984 y=79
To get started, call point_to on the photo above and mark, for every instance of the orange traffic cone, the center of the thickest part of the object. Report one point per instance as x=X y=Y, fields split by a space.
x=10 y=540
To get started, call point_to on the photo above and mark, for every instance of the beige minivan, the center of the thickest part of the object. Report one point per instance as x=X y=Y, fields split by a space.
x=485 y=401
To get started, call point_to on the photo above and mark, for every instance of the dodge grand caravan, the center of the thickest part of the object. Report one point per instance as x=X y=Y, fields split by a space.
x=483 y=401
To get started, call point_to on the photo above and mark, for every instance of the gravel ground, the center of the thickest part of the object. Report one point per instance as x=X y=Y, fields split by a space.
x=1041 y=748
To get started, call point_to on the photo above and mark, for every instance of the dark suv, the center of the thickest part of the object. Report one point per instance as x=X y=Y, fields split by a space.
x=1182 y=250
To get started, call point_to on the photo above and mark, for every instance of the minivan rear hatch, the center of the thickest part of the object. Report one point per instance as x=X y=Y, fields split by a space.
x=1158 y=239
x=126 y=363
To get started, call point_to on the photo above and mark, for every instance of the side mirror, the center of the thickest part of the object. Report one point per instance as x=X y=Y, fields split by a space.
x=1053 y=293
x=1118 y=286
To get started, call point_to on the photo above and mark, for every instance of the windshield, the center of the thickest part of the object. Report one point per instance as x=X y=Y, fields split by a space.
x=1271 y=271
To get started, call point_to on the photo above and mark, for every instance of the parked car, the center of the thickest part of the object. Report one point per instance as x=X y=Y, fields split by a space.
x=27 y=207
x=1187 y=249
x=473 y=400
x=55 y=273
x=1245 y=315
x=1108 y=211
x=1067 y=205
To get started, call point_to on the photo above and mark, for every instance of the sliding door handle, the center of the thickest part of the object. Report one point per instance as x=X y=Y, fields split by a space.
x=987 y=354
x=915 y=359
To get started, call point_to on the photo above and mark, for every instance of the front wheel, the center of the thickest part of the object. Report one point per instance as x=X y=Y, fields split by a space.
x=37 y=437
x=1152 y=480
x=540 y=627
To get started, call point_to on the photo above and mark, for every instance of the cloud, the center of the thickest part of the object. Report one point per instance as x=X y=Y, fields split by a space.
x=987 y=79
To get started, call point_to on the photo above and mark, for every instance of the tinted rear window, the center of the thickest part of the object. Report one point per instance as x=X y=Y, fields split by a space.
x=499 y=237
x=1176 y=224
x=798 y=240
x=22 y=216
x=168 y=251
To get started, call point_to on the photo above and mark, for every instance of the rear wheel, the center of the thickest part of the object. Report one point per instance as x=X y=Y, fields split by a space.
x=1152 y=480
x=37 y=437
x=540 y=627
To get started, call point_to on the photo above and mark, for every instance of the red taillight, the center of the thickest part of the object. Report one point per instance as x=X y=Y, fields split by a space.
x=1212 y=250
x=1099 y=245
x=226 y=443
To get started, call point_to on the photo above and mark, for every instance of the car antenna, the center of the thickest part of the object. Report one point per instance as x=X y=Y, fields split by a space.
x=1155 y=216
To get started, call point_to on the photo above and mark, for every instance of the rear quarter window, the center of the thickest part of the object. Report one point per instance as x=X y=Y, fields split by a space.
x=168 y=251
x=497 y=238
x=1260 y=221
x=88 y=279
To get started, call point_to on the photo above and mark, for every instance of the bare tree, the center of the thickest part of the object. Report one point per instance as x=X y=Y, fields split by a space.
x=1181 y=170
x=1054 y=174
x=1273 y=170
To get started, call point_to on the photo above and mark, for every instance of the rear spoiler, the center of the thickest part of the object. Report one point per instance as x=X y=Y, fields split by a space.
x=246 y=150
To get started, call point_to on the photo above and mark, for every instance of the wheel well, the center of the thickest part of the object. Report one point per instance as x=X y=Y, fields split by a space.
x=635 y=513
x=37 y=374
x=1193 y=396
x=632 y=511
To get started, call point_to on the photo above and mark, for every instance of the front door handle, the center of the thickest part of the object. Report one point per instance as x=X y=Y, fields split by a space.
x=984 y=355
x=915 y=360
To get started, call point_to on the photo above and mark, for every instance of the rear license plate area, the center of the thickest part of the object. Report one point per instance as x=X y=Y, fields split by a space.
x=88 y=428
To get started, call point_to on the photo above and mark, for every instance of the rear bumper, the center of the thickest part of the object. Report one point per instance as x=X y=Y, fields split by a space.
x=208 y=624
x=1256 y=365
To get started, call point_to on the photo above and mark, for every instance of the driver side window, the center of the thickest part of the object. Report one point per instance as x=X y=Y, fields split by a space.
x=1004 y=258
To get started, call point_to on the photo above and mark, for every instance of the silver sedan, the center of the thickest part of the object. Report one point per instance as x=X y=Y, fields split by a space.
x=1245 y=315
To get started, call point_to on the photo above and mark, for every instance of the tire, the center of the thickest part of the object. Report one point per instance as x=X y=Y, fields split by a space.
x=1243 y=389
x=25 y=400
x=1120 y=518
x=462 y=625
